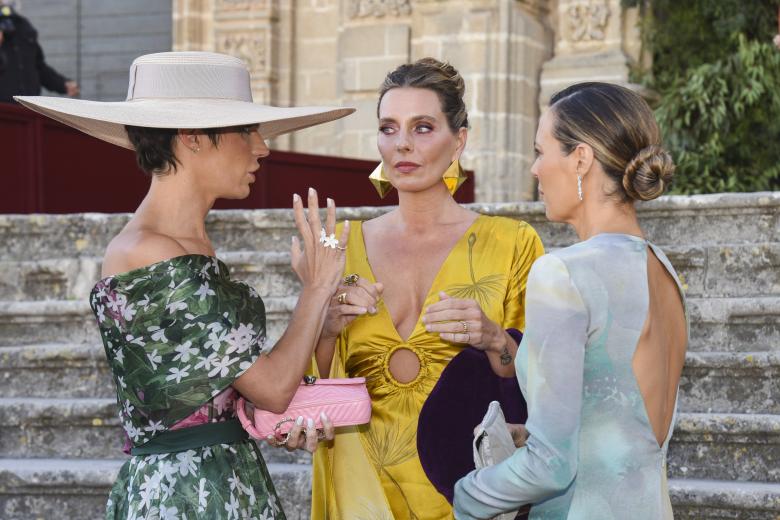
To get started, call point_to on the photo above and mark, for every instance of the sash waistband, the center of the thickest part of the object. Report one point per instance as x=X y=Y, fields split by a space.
x=209 y=434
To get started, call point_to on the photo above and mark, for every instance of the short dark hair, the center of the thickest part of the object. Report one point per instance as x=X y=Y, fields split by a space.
x=154 y=147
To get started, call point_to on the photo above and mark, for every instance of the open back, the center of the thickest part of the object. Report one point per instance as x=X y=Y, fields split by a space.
x=660 y=353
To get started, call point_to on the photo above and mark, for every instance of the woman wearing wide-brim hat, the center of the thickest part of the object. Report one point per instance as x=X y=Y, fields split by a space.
x=183 y=339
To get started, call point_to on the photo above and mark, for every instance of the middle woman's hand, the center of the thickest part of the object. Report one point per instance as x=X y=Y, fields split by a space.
x=320 y=262
x=462 y=321
x=354 y=297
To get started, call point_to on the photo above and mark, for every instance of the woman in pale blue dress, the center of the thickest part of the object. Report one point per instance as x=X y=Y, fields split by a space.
x=606 y=328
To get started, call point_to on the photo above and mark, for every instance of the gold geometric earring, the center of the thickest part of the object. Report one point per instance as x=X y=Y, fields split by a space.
x=454 y=177
x=380 y=182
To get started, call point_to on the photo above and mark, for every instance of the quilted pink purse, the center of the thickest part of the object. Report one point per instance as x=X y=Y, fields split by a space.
x=345 y=401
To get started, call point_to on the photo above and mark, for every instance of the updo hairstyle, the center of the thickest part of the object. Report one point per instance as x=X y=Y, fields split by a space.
x=620 y=127
x=432 y=74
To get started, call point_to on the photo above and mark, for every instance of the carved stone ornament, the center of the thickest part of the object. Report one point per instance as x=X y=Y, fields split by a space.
x=378 y=8
x=588 y=22
x=249 y=47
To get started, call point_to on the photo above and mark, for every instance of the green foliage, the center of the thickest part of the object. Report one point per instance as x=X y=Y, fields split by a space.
x=718 y=76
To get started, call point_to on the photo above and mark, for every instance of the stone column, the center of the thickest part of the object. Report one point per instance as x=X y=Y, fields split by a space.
x=257 y=31
x=595 y=40
x=499 y=47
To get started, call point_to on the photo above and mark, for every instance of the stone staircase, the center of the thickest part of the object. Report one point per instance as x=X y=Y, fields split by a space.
x=60 y=439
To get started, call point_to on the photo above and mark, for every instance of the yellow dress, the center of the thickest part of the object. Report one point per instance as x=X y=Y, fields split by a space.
x=372 y=472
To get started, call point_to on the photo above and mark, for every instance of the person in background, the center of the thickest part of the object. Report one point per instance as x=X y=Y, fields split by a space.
x=23 y=68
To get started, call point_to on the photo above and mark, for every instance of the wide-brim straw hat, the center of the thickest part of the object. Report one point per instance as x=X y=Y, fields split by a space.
x=182 y=90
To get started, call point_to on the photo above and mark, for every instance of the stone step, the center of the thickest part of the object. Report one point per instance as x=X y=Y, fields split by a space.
x=739 y=382
x=79 y=428
x=695 y=499
x=64 y=489
x=731 y=382
x=717 y=324
x=712 y=271
x=735 y=324
x=729 y=218
x=726 y=447
x=73 y=278
x=55 y=370
x=54 y=321
x=89 y=428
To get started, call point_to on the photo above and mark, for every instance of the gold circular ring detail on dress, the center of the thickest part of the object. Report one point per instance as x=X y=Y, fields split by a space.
x=465 y=326
x=342 y=298
x=351 y=279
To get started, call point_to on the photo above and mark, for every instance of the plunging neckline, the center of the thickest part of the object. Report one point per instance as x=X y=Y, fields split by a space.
x=383 y=308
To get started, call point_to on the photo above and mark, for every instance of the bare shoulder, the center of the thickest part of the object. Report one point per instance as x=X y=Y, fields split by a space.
x=132 y=249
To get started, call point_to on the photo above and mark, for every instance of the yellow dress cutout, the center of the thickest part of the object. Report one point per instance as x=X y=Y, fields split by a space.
x=372 y=472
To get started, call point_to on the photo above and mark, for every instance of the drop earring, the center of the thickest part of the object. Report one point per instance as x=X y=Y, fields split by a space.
x=454 y=177
x=380 y=182
x=579 y=186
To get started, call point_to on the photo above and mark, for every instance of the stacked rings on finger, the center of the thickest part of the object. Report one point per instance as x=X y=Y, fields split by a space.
x=329 y=240
x=351 y=279
x=465 y=326
x=342 y=298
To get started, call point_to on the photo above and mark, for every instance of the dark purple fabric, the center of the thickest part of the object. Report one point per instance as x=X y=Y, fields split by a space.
x=456 y=405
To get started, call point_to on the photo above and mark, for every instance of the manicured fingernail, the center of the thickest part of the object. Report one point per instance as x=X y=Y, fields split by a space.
x=323 y=416
x=424 y=319
x=362 y=310
x=330 y=202
x=296 y=197
x=311 y=191
x=309 y=424
x=372 y=310
x=428 y=328
x=299 y=420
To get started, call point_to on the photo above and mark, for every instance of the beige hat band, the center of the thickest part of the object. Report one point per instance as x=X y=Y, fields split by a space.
x=188 y=80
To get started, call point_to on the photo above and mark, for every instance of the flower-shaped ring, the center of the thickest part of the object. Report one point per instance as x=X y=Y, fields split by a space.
x=329 y=240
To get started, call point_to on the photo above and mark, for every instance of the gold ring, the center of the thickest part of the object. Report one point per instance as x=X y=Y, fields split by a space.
x=465 y=326
x=342 y=298
x=351 y=279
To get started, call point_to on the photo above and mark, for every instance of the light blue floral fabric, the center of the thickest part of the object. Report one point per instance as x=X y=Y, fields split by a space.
x=591 y=452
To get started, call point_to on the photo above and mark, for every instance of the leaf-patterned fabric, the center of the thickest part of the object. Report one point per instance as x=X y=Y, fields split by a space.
x=373 y=472
x=177 y=334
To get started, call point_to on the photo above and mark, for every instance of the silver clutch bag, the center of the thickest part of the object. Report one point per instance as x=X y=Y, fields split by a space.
x=493 y=443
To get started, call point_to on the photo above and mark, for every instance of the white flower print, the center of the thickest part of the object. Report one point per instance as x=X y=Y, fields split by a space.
x=154 y=358
x=177 y=373
x=176 y=306
x=154 y=427
x=203 y=493
x=185 y=350
x=101 y=313
x=267 y=514
x=232 y=507
x=121 y=381
x=169 y=513
x=158 y=334
x=207 y=362
x=215 y=339
x=221 y=367
x=116 y=302
x=137 y=341
x=235 y=482
x=187 y=462
x=204 y=291
x=240 y=339
x=119 y=355
x=128 y=312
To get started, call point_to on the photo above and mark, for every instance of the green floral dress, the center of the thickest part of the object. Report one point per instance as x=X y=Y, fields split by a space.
x=177 y=334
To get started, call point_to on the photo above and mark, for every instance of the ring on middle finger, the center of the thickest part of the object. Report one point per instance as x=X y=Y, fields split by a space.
x=351 y=279
x=342 y=298
x=465 y=326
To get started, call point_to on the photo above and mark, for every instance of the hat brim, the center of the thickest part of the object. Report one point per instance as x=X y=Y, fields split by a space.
x=107 y=120
x=457 y=403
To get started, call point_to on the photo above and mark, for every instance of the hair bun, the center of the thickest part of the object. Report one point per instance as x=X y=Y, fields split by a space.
x=649 y=173
x=448 y=71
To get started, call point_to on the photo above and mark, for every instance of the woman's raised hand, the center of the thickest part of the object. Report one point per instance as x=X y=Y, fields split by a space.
x=353 y=297
x=320 y=262
x=462 y=321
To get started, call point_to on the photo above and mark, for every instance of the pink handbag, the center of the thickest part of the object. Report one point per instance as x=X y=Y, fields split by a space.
x=345 y=401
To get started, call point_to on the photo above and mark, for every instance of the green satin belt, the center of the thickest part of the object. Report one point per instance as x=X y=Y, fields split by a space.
x=209 y=434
